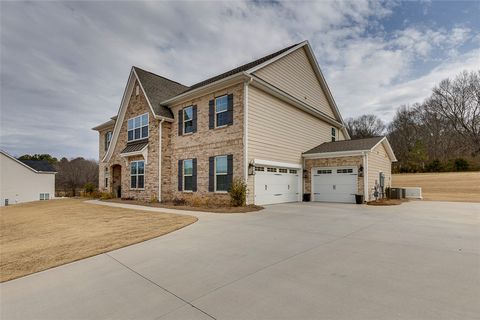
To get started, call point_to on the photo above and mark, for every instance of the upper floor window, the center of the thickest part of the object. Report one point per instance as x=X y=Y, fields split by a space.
x=138 y=127
x=137 y=174
x=334 y=134
x=221 y=108
x=108 y=139
x=188 y=120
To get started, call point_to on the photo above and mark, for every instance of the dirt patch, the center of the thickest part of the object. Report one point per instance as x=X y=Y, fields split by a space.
x=444 y=186
x=216 y=209
x=386 y=202
x=40 y=235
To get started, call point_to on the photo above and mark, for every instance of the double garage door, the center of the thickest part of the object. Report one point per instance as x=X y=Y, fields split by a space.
x=277 y=185
x=334 y=184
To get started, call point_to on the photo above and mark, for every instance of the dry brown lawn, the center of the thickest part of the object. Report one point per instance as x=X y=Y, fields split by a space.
x=40 y=235
x=444 y=186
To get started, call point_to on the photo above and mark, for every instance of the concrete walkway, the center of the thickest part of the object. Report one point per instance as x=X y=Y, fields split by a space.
x=420 y=260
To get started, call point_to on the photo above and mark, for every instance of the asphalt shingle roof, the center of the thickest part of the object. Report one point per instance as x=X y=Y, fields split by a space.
x=345 y=145
x=135 y=146
x=39 y=165
x=158 y=89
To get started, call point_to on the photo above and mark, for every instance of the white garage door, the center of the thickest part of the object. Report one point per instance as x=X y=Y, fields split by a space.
x=276 y=185
x=334 y=184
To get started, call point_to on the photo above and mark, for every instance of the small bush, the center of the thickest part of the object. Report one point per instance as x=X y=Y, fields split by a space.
x=435 y=166
x=153 y=199
x=106 y=195
x=460 y=164
x=179 y=202
x=89 y=188
x=238 y=193
x=197 y=201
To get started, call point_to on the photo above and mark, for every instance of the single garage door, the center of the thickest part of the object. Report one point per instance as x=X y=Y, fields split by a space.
x=276 y=185
x=334 y=184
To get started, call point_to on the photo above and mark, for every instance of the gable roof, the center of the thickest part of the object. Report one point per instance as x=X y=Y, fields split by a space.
x=37 y=166
x=158 y=89
x=345 y=147
x=241 y=68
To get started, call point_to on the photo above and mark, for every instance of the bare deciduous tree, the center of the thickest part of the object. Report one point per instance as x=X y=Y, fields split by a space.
x=458 y=102
x=365 y=126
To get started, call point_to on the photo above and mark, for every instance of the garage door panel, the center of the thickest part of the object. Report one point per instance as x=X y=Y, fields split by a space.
x=334 y=184
x=271 y=187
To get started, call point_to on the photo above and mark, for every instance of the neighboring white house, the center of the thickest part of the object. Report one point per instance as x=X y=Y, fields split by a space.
x=25 y=181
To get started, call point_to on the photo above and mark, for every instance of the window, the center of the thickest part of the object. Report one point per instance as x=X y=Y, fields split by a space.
x=293 y=171
x=188 y=120
x=106 y=177
x=138 y=127
x=334 y=134
x=259 y=169
x=324 y=171
x=283 y=170
x=137 y=174
x=137 y=90
x=188 y=175
x=221 y=171
x=221 y=108
x=271 y=169
x=108 y=138
x=344 y=170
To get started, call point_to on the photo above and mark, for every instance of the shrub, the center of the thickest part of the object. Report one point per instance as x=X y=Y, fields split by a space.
x=179 y=202
x=89 y=188
x=238 y=193
x=460 y=164
x=153 y=199
x=106 y=195
x=435 y=166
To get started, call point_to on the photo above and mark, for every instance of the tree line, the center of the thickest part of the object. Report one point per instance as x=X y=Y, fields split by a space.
x=73 y=175
x=440 y=134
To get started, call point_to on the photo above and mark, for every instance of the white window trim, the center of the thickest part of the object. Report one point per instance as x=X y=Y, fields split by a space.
x=141 y=126
x=137 y=174
x=215 y=109
x=107 y=140
x=221 y=174
x=184 y=175
x=334 y=136
x=184 y=121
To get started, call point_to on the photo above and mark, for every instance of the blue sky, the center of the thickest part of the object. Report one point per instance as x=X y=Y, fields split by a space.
x=64 y=65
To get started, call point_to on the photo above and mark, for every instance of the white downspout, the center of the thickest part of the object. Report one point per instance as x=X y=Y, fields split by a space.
x=160 y=128
x=365 y=176
x=245 y=129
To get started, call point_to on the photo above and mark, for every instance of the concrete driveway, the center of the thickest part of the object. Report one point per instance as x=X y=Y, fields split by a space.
x=420 y=260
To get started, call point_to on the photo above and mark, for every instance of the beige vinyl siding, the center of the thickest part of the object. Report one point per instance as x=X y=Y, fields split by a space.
x=278 y=131
x=294 y=74
x=378 y=161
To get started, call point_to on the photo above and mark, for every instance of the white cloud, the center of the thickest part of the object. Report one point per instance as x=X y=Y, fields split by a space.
x=65 y=65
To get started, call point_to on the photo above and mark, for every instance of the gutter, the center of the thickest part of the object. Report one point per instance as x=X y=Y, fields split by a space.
x=189 y=94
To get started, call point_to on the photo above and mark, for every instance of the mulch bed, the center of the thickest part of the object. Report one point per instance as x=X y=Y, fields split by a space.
x=215 y=209
x=386 y=202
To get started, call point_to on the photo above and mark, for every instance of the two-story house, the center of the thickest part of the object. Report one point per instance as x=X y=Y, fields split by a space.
x=272 y=122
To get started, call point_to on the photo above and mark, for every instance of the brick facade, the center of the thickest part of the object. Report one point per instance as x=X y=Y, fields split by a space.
x=355 y=161
x=200 y=145
x=138 y=105
x=203 y=144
